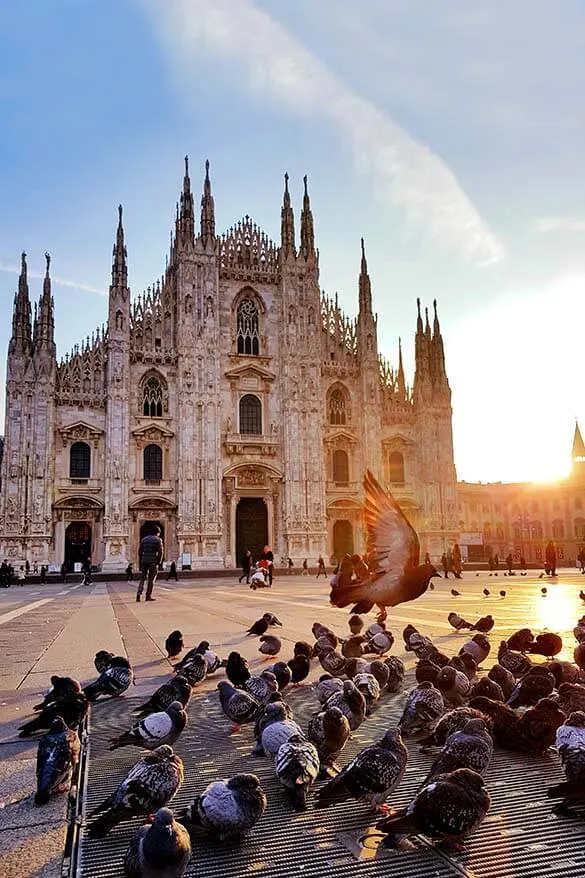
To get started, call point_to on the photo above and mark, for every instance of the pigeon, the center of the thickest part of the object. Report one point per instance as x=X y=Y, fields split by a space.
x=544 y=591
x=355 y=624
x=327 y=686
x=418 y=644
x=57 y=755
x=520 y=640
x=380 y=671
x=563 y=672
x=162 y=847
x=174 y=644
x=325 y=643
x=277 y=731
x=426 y=670
x=537 y=727
x=351 y=703
x=572 y=732
x=261 y=626
x=319 y=630
x=149 y=785
x=283 y=674
x=454 y=686
x=380 y=643
x=504 y=678
x=212 y=660
x=486 y=592
x=488 y=689
x=332 y=662
x=571 y=697
x=582 y=595
x=504 y=719
x=536 y=684
x=201 y=649
x=407 y=633
x=478 y=648
x=228 y=808
x=61 y=687
x=272 y=620
x=484 y=624
x=453 y=721
x=371 y=775
x=72 y=708
x=155 y=729
x=471 y=747
x=464 y=663
x=329 y=731
x=237 y=669
x=177 y=689
x=194 y=670
x=424 y=706
x=275 y=710
x=455 y=593
x=395 y=575
x=502 y=593
x=547 y=644
x=270 y=645
x=432 y=654
x=113 y=682
x=353 y=646
x=370 y=689
x=579 y=655
x=300 y=667
x=262 y=687
x=301 y=647
x=238 y=705
x=297 y=768
x=396 y=668
x=515 y=662
x=447 y=810
x=102 y=660
x=458 y=622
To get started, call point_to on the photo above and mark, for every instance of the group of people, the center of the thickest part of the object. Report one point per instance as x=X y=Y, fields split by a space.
x=451 y=562
x=260 y=573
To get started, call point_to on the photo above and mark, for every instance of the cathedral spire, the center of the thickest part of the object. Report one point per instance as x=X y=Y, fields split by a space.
x=45 y=325
x=119 y=266
x=185 y=223
x=21 y=317
x=422 y=372
x=419 y=323
x=207 y=228
x=287 y=223
x=307 y=227
x=365 y=286
x=438 y=351
x=401 y=379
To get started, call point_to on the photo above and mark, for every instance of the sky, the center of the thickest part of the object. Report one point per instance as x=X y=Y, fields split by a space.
x=448 y=134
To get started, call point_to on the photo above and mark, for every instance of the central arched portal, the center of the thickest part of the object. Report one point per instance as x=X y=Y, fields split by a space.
x=251 y=527
x=148 y=527
x=77 y=543
x=342 y=538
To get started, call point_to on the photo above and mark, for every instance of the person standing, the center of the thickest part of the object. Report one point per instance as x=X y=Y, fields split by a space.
x=129 y=572
x=457 y=562
x=510 y=563
x=305 y=568
x=321 y=569
x=43 y=574
x=550 y=557
x=150 y=555
x=86 y=572
x=581 y=559
x=291 y=566
x=246 y=565
x=64 y=572
x=172 y=574
x=267 y=555
x=445 y=565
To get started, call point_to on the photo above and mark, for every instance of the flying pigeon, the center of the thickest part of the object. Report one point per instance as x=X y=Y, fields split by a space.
x=239 y=706
x=72 y=708
x=424 y=706
x=149 y=785
x=57 y=755
x=162 y=847
x=155 y=729
x=174 y=644
x=113 y=682
x=329 y=731
x=448 y=809
x=102 y=660
x=270 y=645
x=228 y=808
x=297 y=768
x=371 y=775
x=177 y=689
x=395 y=575
x=471 y=747
x=237 y=669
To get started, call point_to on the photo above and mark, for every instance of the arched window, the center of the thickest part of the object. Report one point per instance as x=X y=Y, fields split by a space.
x=536 y=530
x=558 y=529
x=153 y=463
x=79 y=461
x=337 y=407
x=487 y=531
x=396 y=468
x=340 y=467
x=248 y=336
x=250 y=415
x=499 y=531
x=579 y=526
x=152 y=398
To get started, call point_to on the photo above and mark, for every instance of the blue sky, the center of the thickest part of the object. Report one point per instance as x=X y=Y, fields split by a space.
x=450 y=135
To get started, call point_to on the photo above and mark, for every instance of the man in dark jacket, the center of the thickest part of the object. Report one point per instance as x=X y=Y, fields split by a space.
x=150 y=555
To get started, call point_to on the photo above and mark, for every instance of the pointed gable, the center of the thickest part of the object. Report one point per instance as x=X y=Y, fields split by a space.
x=247 y=253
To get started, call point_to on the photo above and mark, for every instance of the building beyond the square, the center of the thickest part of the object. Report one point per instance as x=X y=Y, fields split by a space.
x=232 y=403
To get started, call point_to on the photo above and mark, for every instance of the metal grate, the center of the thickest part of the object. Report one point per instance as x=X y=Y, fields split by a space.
x=520 y=838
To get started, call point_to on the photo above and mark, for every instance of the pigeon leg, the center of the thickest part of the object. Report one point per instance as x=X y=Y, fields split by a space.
x=235 y=729
x=383 y=809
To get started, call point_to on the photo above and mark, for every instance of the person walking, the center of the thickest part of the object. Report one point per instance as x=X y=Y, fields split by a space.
x=510 y=563
x=246 y=565
x=86 y=572
x=172 y=574
x=321 y=569
x=305 y=568
x=42 y=575
x=550 y=557
x=445 y=564
x=581 y=559
x=63 y=572
x=457 y=562
x=150 y=555
x=267 y=555
x=291 y=566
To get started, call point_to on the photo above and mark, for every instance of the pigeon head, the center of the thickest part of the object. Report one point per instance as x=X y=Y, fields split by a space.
x=164 y=817
x=348 y=687
x=175 y=635
x=243 y=782
x=425 y=685
x=391 y=739
x=334 y=718
x=466 y=777
x=119 y=662
x=203 y=646
x=175 y=707
x=476 y=727
x=446 y=677
x=576 y=719
x=58 y=725
x=481 y=640
x=275 y=711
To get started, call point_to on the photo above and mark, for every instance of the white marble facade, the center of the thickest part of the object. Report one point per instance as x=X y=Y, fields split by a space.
x=231 y=402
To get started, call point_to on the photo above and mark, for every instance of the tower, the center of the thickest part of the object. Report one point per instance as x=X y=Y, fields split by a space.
x=367 y=354
x=117 y=426
x=578 y=455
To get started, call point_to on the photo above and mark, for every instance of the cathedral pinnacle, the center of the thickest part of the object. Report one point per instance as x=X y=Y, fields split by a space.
x=119 y=267
x=365 y=286
x=419 y=323
x=287 y=224
x=437 y=351
x=307 y=227
x=185 y=223
x=207 y=228
x=401 y=379
x=21 y=339
x=44 y=329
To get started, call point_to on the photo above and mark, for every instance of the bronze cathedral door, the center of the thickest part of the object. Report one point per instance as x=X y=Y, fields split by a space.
x=251 y=527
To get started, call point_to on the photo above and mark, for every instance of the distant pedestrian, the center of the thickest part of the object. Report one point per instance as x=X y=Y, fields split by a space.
x=21 y=575
x=305 y=568
x=172 y=574
x=290 y=565
x=496 y=562
x=86 y=572
x=581 y=559
x=445 y=565
x=321 y=569
x=63 y=572
x=491 y=561
x=129 y=572
x=27 y=567
x=550 y=557
x=523 y=562
x=457 y=562
x=427 y=558
x=267 y=555
x=509 y=563
x=43 y=574
x=150 y=556
x=246 y=565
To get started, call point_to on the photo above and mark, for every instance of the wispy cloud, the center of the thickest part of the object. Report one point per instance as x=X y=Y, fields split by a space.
x=559 y=224
x=58 y=281
x=269 y=59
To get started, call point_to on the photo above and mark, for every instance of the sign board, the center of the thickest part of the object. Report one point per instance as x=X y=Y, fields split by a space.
x=54 y=568
x=77 y=567
x=186 y=561
x=471 y=538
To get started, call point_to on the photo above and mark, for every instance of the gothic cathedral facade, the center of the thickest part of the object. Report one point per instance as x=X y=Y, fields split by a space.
x=232 y=403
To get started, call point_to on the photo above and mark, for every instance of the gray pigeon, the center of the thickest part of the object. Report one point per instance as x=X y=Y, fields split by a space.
x=228 y=808
x=270 y=645
x=177 y=689
x=370 y=689
x=396 y=673
x=452 y=721
x=371 y=775
x=194 y=670
x=238 y=705
x=113 y=682
x=297 y=768
x=155 y=729
x=149 y=785
x=57 y=756
x=262 y=687
x=277 y=730
x=327 y=686
x=276 y=710
x=351 y=703
x=571 y=747
x=329 y=731
x=424 y=706
x=159 y=850
x=472 y=747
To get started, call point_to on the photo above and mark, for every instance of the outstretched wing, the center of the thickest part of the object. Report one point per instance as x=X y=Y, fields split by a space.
x=392 y=542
